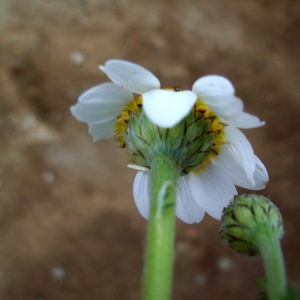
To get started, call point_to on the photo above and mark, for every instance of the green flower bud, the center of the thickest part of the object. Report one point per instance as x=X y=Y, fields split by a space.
x=247 y=217
x=189 y=142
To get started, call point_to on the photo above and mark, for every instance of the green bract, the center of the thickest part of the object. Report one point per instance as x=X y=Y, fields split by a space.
x=189 y=142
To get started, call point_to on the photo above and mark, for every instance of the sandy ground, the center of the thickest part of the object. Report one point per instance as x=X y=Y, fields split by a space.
x=69 y=228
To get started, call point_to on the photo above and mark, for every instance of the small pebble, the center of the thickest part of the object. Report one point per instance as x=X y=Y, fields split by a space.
x=48 y=177
x=58 y=273
x=201 y=279
x=77 y=58
x=224 y=263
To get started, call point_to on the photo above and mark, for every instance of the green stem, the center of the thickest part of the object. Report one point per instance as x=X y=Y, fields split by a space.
x=269 y=246
x=158 y=274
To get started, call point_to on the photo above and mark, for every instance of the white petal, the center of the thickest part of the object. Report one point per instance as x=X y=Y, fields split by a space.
x=106 y=92
x=217 y=93
x=101 y=103
x=138 y=168
x=227 y=161
x=186 y=207
x=261 y=177
x=102 y=131
x=212 y=189
x=224 y=107
x=141 y=192
x=230 y=103
x=130 y=75
x=213 y=85
x=241 y=149
x=243 y=120
x=167 y=108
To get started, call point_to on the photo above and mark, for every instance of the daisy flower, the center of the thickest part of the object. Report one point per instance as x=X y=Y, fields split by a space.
x=198 y=127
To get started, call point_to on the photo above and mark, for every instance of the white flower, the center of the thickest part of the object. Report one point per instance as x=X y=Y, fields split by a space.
x=100 y=105
x=206 y=189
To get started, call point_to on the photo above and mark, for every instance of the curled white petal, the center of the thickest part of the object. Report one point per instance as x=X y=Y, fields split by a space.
x=101 y=103
x=227 y=161
x=103 y=130
x=167 y=108
x=213 y=85
x=212 y=189
x=186 y=207
x=141 y=192
x=127 y=74
x=242 y=150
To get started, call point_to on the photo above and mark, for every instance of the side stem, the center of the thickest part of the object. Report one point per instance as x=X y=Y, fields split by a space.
x=158 y=272
x=270 y=249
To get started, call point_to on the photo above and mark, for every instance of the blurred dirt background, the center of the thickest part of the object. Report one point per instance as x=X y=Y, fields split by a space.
x=69 y=228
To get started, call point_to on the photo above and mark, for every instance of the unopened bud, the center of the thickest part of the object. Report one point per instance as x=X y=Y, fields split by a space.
x=245 y=218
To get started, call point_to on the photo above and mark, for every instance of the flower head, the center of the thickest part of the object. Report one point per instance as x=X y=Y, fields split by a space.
x=246 y=219
x=198 y=127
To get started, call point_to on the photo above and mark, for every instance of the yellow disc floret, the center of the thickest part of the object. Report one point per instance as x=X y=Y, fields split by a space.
x=122 y=122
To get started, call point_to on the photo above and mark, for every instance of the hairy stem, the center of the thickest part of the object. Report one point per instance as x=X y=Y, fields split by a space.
x=269 y=246
x=161 y=227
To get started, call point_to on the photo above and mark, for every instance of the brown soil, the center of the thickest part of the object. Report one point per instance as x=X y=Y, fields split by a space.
x=69 y=228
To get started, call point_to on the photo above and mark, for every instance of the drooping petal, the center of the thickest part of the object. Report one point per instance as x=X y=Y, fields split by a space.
x=212 y=189
x=141 y=192
x=227 y=161
x=186 y=207
x=101 y=103
x=130 y=75
x=166 y=108
x=103 y=130
x=213 y=85
x=243 y=120
x=242 y=150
